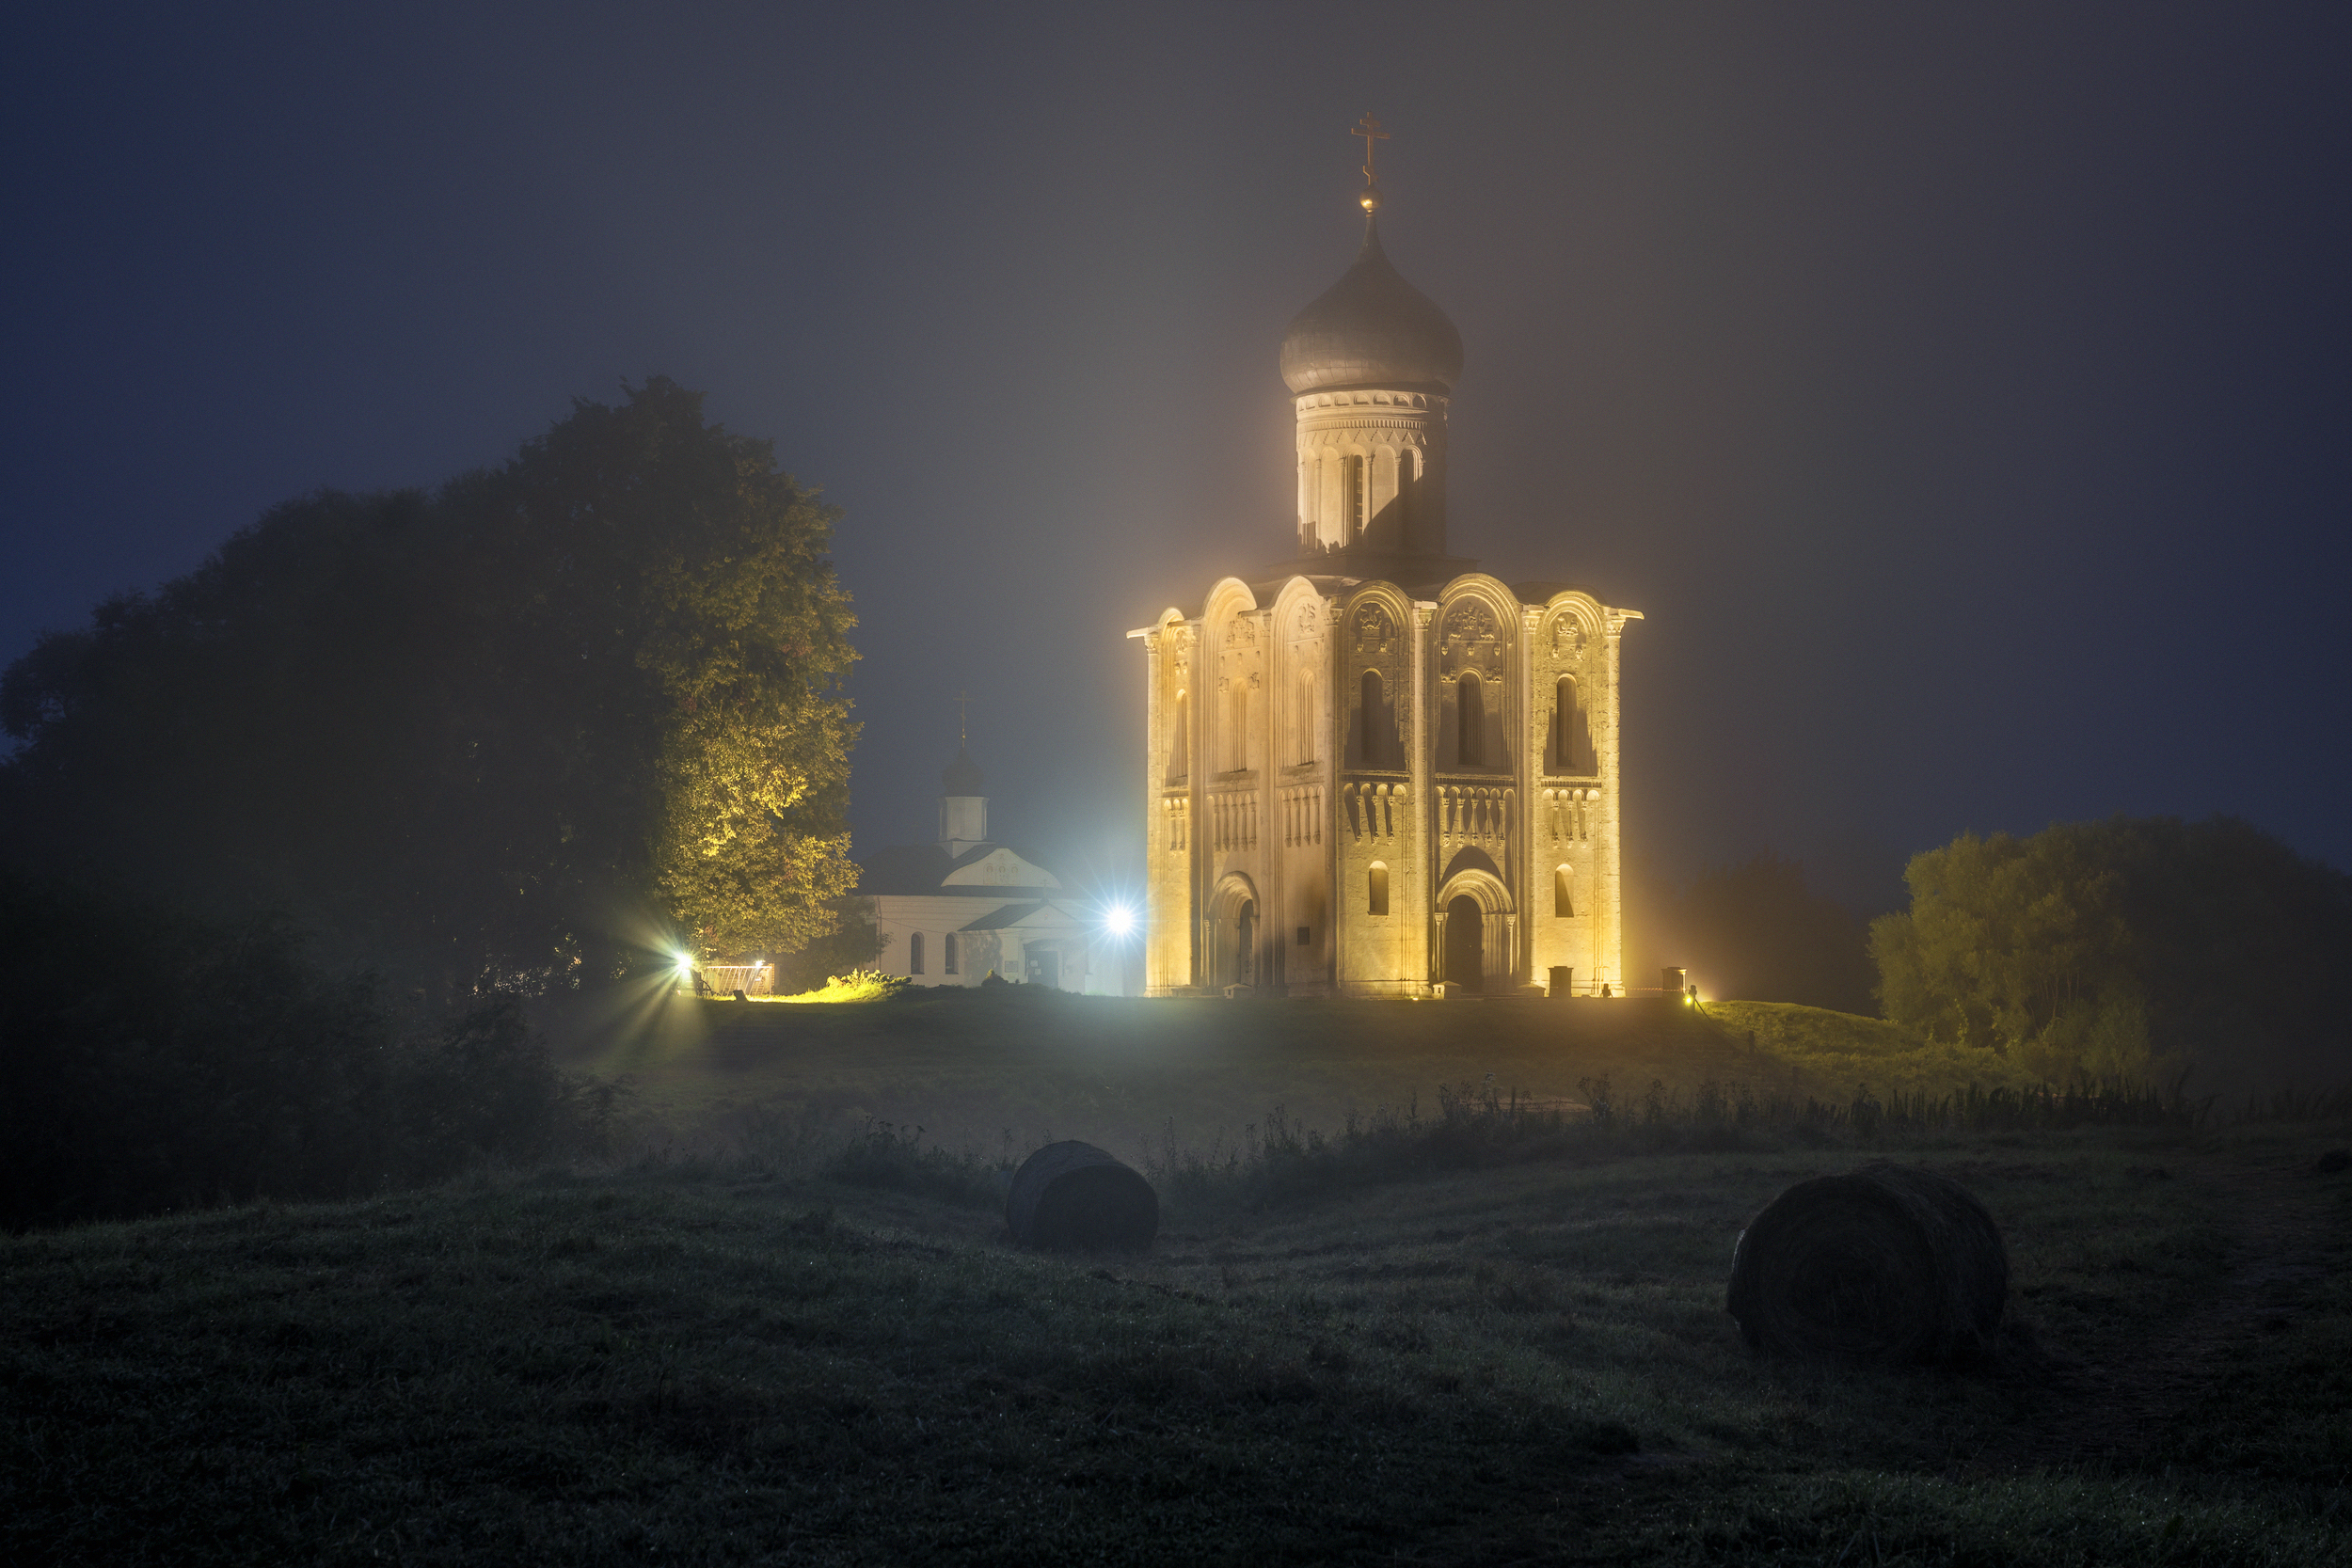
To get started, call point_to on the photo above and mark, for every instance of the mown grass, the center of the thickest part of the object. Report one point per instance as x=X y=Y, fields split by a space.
x=1478 y=1126
x=832 y=1352
x=977 y=1065
x=1847 y=1049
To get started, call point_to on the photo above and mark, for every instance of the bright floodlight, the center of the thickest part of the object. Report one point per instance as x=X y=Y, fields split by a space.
x=1119 y=920
x=685 y=965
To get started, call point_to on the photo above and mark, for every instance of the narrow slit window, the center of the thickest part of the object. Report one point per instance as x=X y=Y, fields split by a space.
x=1378 y=889
x=1563 y=904
x=915 y=953
x=947 y=954
x=1567 y=720
x=1373 y=723
x=1469 y=718
x=1305 y=717
x=1178 y=742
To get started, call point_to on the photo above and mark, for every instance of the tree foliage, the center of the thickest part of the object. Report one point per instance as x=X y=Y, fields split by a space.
x=2126 y=947
x=496 y=735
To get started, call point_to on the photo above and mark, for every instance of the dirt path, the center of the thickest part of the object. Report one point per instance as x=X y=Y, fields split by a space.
x=2116 y=1410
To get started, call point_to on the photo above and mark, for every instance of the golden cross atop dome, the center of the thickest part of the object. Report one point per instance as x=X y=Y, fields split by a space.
x=1369 y=128
x=961 y=697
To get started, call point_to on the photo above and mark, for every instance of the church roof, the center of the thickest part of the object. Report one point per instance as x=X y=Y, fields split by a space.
x=1372 y=328
x=928 y=870
x=1021 y=914
x=962 y=776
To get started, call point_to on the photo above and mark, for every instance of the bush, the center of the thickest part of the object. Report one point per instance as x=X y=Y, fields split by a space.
x=151 y=1059
x=858 y=984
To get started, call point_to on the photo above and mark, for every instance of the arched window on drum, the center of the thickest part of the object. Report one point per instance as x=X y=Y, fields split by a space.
x=1571 y=737
x=1469 y=719
x=1371 y=720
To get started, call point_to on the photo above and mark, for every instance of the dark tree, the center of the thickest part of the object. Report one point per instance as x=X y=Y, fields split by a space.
x=498 y=736
x=2125 y=947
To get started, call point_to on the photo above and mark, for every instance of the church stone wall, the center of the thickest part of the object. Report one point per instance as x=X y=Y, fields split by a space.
x=1168 y=787
x=1279 y=799
x=1300 y=951
x=1383 y=782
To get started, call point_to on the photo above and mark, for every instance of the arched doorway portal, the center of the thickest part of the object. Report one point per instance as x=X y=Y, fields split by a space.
x=1466 y=945
x=1232 y=933
x=1476 y=935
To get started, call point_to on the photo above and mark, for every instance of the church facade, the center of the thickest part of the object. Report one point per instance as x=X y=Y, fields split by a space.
x=1373 y=769
x=956 y=911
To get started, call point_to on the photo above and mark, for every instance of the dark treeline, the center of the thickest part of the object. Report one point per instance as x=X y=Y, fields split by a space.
x=285 y=843
x=2128 y=949
x=504 y=735
x=151 y=1059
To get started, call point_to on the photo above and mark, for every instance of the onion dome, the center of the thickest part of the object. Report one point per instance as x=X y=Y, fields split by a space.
x=1372 y=328
x=962 y=776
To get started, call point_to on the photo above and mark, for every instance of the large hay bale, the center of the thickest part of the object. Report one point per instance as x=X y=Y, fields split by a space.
x=1886 y=1264
x=1072 y=1195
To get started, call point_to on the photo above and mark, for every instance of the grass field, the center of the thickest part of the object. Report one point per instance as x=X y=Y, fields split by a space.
x=986 y=1069
x=811 y=1350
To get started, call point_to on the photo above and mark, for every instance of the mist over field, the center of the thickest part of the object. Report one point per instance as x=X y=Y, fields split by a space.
x=609 y=951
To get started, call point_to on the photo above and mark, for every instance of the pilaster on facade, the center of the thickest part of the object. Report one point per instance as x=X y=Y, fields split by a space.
x=1423 y=883
x=1317 y=800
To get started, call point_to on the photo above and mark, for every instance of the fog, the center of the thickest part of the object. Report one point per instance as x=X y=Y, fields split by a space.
x=1959 y=395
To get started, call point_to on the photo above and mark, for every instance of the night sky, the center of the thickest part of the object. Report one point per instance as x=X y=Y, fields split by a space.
x=1962 y=392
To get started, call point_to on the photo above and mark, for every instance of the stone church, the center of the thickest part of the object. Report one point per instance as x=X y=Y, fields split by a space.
x=1373 y=769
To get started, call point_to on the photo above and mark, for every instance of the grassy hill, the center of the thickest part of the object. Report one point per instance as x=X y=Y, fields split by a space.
x=990 y=1070
x=709 y=1362
x=1847 y=1049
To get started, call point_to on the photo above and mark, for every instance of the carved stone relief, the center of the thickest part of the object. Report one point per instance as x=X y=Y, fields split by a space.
x=1471 y=640
x=1567 y=634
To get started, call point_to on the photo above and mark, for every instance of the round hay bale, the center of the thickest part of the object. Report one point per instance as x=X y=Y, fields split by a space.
x=1884 y=1264
x=1073 y=1197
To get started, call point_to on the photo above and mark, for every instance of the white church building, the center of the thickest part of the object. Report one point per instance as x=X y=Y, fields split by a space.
x=954 y=911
